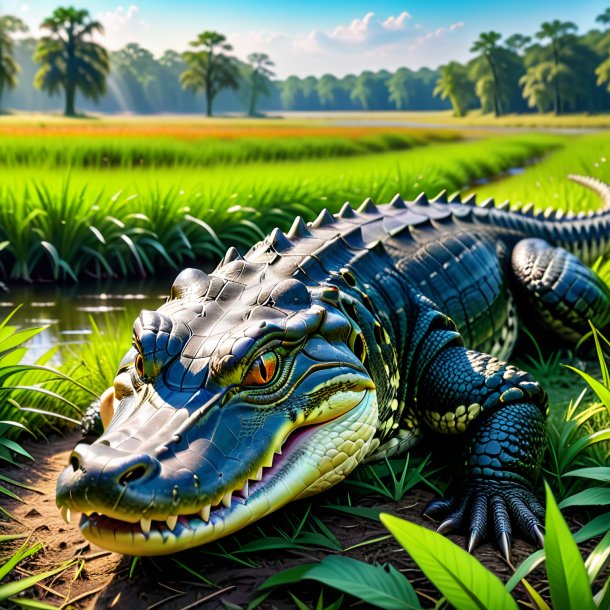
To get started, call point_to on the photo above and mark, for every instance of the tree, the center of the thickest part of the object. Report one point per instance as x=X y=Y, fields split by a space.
x=398 y=86
x=136 y=73
x=8 y=67
x=604 y=17
x=260 y=75
x=487 y=45
x=559 y=32
x=363 y=89
x=210 y=70
x=328 y=89
x=453 y=84
x=70 y=61
x=603 y=70
x=517 y=42
x=537 y=85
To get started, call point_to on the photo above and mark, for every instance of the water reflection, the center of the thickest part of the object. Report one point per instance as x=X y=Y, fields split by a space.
x=67 y=311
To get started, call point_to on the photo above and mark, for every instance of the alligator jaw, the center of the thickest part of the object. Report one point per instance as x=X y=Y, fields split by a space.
x=312 y=459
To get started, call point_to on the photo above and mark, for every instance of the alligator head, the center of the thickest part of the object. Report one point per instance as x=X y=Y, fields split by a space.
x=239 y=395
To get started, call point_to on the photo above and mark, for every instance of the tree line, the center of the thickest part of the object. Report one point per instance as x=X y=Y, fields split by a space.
x=557 y=70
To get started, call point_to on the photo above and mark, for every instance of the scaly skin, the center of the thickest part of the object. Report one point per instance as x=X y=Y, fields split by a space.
x=344 y=340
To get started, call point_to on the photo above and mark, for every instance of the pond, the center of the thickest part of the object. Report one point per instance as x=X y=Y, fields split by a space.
x=67 y=311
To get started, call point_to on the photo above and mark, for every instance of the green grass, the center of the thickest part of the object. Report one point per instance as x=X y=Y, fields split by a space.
x=102 y=152
x=127 y=223
x=545 y=183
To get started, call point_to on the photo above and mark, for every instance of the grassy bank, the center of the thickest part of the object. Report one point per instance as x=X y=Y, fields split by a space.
x=124 y=223
x=187 y=148
x=545 y=183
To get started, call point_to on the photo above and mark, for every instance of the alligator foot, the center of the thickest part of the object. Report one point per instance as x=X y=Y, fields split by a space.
x=483 y=505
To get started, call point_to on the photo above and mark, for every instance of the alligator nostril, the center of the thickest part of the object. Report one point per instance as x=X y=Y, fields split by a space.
x=74 y=462
x=133 y=474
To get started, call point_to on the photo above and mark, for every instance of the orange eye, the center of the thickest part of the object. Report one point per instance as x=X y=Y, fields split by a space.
x=139 y=364
x=262 y=370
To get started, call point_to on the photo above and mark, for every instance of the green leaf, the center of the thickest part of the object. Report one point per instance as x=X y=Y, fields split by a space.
x=598 y=387
x=384 y=587
x=32 y=603
x=568 y=581
x=535 y=596
x=594 y=496
x=463 y=580
x=598 y=473
x=358 y=511
x=595 y=527
x=13 y=446
x=15 y=587
x=597 y=559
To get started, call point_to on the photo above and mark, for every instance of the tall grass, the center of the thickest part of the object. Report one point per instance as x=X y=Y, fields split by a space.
x=104 y=152
x=121 y=223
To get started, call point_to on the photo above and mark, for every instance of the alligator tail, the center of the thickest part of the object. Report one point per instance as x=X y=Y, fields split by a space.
x=596 y=185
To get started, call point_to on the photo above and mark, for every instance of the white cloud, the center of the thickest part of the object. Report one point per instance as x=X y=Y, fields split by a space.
x=122 y=26
x=370 y=35
x=25 y=8
x=369 y=42
x=397 y=23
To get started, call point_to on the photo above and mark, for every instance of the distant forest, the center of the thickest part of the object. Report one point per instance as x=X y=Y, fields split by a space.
x=557 y=70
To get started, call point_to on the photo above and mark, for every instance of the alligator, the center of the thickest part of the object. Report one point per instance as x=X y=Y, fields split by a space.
x=347 y=339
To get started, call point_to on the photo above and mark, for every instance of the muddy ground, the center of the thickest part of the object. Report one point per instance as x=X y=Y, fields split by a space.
x=104 y=580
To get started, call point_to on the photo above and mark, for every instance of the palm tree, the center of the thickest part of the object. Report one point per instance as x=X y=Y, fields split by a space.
x=517 y=42
x=210 y=70
x=604 y=17
x=537 y=85
x=558 y=32
x=603 y=70
x=260 y=74
x=398 y=86
x=69 y=60
x=454 y=84
x=8 y=68
x=603 y=74
x=486 y=44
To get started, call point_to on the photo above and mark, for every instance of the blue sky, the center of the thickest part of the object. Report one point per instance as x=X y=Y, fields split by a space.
x=316 y=36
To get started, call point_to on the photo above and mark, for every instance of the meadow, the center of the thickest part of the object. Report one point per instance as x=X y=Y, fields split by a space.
x=119 y=218
x=94 y=220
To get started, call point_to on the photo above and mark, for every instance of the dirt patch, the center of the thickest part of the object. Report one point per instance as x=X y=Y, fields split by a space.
x=101 y=579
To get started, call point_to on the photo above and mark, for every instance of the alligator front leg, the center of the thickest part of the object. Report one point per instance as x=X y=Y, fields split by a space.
x=501 y=412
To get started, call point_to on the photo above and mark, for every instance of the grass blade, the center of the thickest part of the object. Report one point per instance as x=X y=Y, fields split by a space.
x=568 y=581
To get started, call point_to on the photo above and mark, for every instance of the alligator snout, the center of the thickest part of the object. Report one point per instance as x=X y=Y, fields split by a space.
x=99 y=470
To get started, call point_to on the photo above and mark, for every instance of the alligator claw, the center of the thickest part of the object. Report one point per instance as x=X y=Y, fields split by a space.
x=485 y=506
x=448 y=525
x=538 y=535
x=473 y=542
x=438 y=506
x=505 y=544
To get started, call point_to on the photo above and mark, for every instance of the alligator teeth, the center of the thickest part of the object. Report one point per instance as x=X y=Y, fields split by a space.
x=171 y=522
x=204 y=513
x=145 y=525
x=226 y=499
x=65 y=514
x=268 y=462
x=279 y=450
x=245 y=490
x=259 y=475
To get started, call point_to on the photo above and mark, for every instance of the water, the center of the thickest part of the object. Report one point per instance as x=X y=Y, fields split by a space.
x=66 y=311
